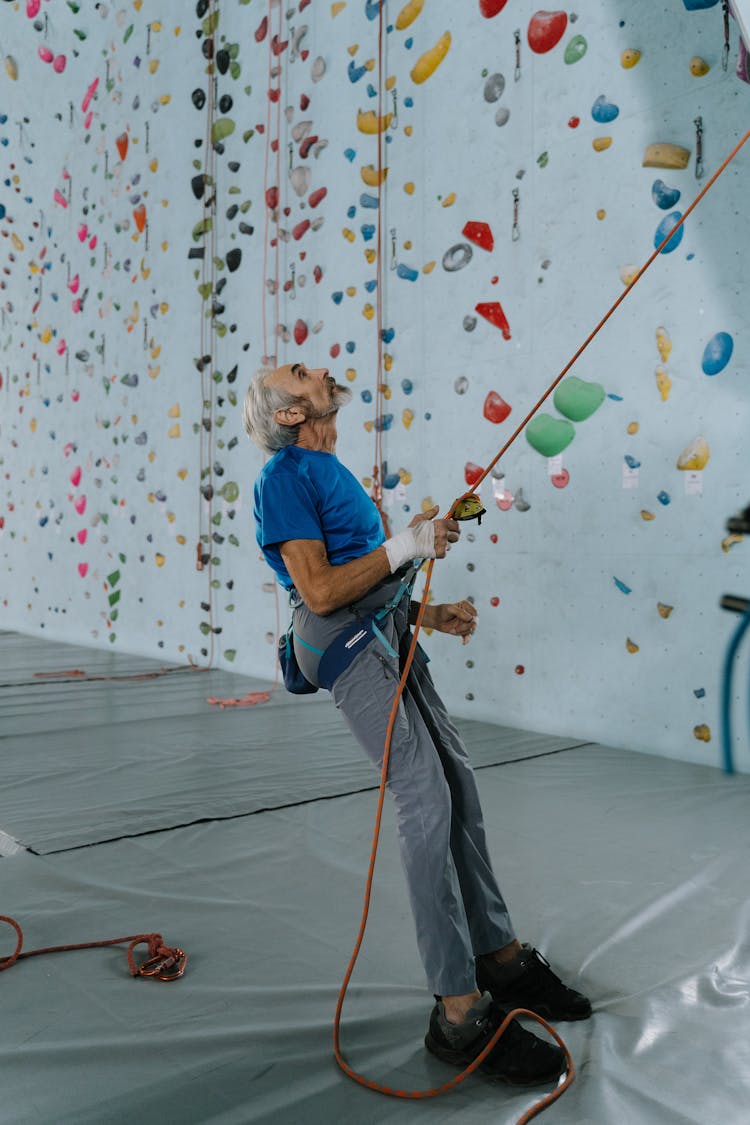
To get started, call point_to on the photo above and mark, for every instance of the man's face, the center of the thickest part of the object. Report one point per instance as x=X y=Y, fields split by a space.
x=314 y=384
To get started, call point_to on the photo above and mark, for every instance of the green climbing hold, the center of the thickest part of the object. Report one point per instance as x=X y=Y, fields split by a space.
x=548 y=435
x=576 y=49
x=223 y=127
x=578 y=400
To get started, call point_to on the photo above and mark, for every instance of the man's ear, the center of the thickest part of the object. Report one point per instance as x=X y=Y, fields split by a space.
x=289 y=416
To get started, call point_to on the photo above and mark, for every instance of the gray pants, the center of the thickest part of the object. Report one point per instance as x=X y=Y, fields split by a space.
x=457 y=906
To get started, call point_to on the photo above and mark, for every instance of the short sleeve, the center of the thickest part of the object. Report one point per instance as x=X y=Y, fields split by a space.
x=286 y=509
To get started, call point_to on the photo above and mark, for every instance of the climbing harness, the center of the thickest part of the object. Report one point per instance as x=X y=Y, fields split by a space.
x=164 y=962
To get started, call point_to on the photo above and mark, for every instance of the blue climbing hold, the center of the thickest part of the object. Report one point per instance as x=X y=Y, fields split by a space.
x=603 y=111
x=349 y=153
x=337 y=297
x=668 y=223
x=355 y=72
x=366 y=396
x=372 y=8
x=384 y=422
x=632 y=462
x=621 y=586
x=350 y=346
x=664 y=498
x=407 y=272
x=407 y=386
x=663 y=196
x=717 y=353
x=370 y=201
x=351 y=212
x=387 y=335
x=368 y=231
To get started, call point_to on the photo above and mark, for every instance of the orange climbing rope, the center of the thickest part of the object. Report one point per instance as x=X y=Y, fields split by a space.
x=548 y=1099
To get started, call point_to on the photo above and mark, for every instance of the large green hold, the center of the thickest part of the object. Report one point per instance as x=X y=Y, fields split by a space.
x=222 y=128
x=577 y=399
x=548 y=435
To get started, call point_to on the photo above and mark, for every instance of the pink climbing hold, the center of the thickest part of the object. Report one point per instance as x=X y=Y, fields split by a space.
x=493 y=311
x=561 y=479
x=496 y=409
x=45 y=54
x=74 y=283
x=300 y=332
x=83 y=569
x=60 y=199
x=59 y=63
x=89 y=95
x=32 y=8
x=82 y=535
x=75 y=476
x=80 y=505
x=546 y=29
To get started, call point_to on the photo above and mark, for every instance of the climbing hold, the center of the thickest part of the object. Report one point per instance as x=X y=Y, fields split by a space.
x=601 y=144
x=697 y=5
x=461 y=385
x=494 y=87
x=622 y=587
x=664 y=155
x=457 y=257
x=664 y=610
x=633 y=427
x=577 y=399
x=300 y=179
x=449 y=200
x=631 y=646
x=493 y=312
x=520 y=502
x=369 y=122
x=663 y=343
x=698 y=66
x=371 y=176
x=490 y=8
x=629 y=58
x=695 y=456
x=428 y=63
x=575 y=49
x=545 y=30
x=717 y=353
x=603 y=111
x=632 y=462
x=628 y=274
x=663 y=382
x=548 y=435
x=472 y=473
x=408 y=14
x=730 y=541
x=406 y=272
x=502 y=116
x=496 y=409
x=668 y=223
x=561 y=479
x=300 y=332
x=480 y=234
x=647 y=516
x=469 y=323
x=407 y=417
x=664 y=498
x=702 y=732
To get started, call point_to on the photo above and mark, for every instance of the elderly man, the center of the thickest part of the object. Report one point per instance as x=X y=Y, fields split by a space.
x=323 y=537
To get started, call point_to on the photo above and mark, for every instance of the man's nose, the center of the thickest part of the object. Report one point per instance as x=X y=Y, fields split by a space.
x=320 y=372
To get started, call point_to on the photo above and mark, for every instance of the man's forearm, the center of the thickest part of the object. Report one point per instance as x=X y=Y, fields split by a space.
x=346 y=583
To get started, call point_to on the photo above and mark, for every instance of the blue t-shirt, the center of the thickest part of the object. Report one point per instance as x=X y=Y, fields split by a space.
x=308 y=494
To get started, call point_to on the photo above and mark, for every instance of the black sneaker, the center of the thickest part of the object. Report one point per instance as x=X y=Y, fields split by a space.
x=528 y=982
x=519 y=1058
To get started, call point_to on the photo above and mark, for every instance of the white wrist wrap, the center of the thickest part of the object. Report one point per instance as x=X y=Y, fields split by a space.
x=413 y=543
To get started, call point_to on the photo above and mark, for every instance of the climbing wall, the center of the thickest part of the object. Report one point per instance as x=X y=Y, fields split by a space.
x=439 y=202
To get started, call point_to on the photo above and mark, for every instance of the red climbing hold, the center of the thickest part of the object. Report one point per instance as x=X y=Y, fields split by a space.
x=496 y=409
x=480 y=234
x=574 y=122
x=300 y=229
x=274 y=94
x=304 y=101
x=317 y=274
x=260 y=31
x=307 y=144
x=335 y=349
x=300 y=332
x=490 y=8
x=122 y=145
x=272 y=197
x=472 y=473
x=277 y=46
x=493 y=311
x=316 y=196
x=546 y=29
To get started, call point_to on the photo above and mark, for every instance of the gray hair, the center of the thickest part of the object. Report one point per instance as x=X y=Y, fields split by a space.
x=261 y=403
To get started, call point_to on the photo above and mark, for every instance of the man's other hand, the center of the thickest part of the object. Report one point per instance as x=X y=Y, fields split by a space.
x=457 y=618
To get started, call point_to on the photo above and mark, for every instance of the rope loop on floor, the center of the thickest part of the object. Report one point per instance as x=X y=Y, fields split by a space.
x=164 y=962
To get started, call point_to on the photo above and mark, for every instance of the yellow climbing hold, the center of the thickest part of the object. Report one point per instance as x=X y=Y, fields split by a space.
x=646 y=515
x=182 y=473
x=389 y=82
x=702 y=732
x=428 y=268
x=449 y=200
x=182 y=541
x=370 y=64
x=371 y=176
x=408 y=14
x=409 y=188
x=730 y=541
x=407 y=418
x=369 y=426
x=337 y=8
x=353 y=49
x=370 y=255
x=369 y=122
x=407 y=244
x=628 y=274
x=408 y=130
x=174 y=411
x=633 y=427
x=698 y=66
x=631 y=646
x=11 y=68
x=351 y=374
x=348 y=234
x=32 y=425
x=159 y=559
x=368 y=312
x=629 y=58
x=599 y=144
x=664 y=610
x=404 y=476
x=387 y=361
x=601 y=213
x=666 y=155
x=428 y=63
x=663 y=343
x=351 y=291
x=663 y=382
x=695 y=456
x=46 y=335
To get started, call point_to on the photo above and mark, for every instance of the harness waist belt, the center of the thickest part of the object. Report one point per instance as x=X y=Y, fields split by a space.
x=346 y=647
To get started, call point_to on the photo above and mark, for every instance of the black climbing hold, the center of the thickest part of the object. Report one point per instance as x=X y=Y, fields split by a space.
x=234 y=257
x=199 y=98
